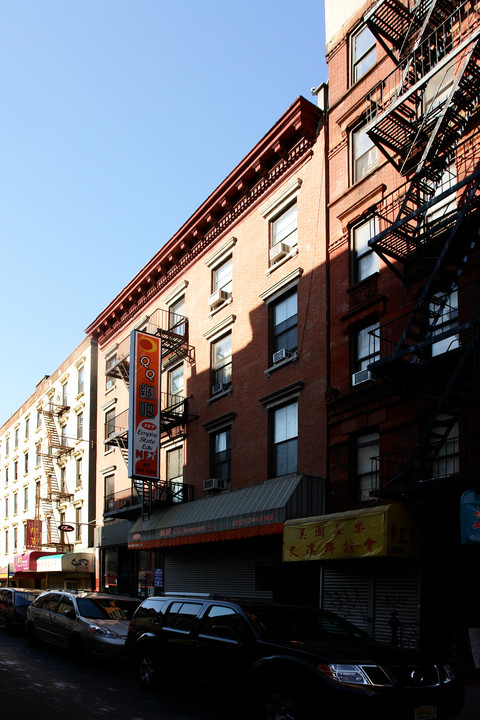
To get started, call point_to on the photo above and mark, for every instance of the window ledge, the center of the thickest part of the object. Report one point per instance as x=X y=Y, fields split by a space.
x=214 y=310
x=223 y=393
x=293 y=253
x=293 y=358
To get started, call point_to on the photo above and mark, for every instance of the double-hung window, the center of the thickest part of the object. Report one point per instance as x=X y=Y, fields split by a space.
x=175 y=385
x=283 y=232
x=284 y=439
x=283 y=326
x=366 y=351
x=363 y=52
x=220 y=454
x=222 y=364
x=365 y=260
x=366 y=451
x=364 y=153
x=444 y=315
x=222 y=277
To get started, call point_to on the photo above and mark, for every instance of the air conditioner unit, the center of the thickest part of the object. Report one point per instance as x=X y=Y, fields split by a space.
x=362 y=376
x=280 y=355
x=217 y=298
x=278 y=251
x=217 y=388
x=214 y=484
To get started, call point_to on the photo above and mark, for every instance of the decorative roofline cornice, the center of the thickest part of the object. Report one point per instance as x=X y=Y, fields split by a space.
x=280 y=150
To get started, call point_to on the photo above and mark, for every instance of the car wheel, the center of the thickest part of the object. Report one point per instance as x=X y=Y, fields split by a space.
x=279 y=702
x=147 y=669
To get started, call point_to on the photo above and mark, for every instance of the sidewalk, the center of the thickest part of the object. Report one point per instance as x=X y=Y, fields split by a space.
x=471 y=709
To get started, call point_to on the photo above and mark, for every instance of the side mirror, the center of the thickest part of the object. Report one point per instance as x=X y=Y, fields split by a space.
x=70 y=614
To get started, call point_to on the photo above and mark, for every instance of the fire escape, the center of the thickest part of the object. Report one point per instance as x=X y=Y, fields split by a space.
x=173 y=332
x=55 y=448
x=422 y=118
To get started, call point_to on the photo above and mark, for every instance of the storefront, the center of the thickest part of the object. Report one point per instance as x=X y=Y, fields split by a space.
x=224 y=543
x=26 y=571
x=69 y=571
x=369 y=567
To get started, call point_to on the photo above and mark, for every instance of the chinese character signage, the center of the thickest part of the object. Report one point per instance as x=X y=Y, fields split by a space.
x=33 y=534
x=385 y=531
x=470 y=517
x=144 y=418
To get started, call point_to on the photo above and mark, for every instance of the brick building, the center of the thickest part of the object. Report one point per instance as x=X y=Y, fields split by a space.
x=237 y=299
x=398 y=546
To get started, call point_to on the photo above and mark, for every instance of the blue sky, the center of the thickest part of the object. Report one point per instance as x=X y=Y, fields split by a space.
x=117 y=119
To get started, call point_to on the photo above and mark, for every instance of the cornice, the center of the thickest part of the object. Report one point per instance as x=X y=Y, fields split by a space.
x=284 y=147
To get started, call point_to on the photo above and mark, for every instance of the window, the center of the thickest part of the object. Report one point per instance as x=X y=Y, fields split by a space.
x=80 y=426
x=64 y=395
x=109 y=424
x=363 y=53
x=63 y=435
x=6 y=542
x=78 y=527
x=438 y=88
x=7 y=446
x=283 y=314
x=365 y=260
x=6 y=476
x=222 y=277
x=177 y=317
x=15 y=539
x=109 y=492
x=27 y=428
x=366 y=350
x=283 y=230
x=175 y=385
x=366 y=449
x=445 y=456
x=63 y=479
x=16 y=438
x=109 y=364
x=221 y=364
x=15 y=503
x=284 y=433
x=26 y=463
x=175 y=472
x=38 y=455
x=25 y=498
x=39 y=419
x=220 y=454
x=444 y=314
x=78 y=472
x=6 y=507
x=81 y=379
x=443 y=205
x=15 y=470
x=364 y=153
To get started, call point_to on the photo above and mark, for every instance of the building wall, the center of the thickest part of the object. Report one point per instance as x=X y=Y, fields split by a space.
x=61 y=393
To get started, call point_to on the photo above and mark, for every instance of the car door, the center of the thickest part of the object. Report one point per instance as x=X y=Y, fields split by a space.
x=176 y=636
x=223 y=646
x=43 y=615
x=5 y=606
x=62 y=626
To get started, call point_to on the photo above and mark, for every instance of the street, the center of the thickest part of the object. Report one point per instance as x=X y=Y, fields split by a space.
x=44 y=682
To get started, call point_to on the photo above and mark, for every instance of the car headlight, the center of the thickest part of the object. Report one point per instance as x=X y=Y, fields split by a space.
x=103 y=632
x=356 y=674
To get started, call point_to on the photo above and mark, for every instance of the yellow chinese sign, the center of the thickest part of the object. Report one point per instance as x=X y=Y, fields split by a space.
x=384 y=531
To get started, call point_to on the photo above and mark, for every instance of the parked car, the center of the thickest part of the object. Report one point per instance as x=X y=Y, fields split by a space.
x=13 y=607
x=292 y=662
x=83 y=622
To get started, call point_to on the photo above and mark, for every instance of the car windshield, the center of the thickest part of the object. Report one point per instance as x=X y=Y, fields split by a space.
x=300 y=624
x=106 y=609
x=24 y=598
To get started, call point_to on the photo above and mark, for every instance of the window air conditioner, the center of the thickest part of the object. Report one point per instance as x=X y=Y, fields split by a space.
x=280 y=355
x=217 y=298
x=214 y=484
x=217 y=388
x=278 y=251
x=362 y=376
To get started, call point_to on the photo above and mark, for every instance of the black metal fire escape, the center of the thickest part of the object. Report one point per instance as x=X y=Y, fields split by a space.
x=174 y=415
x=421 y=118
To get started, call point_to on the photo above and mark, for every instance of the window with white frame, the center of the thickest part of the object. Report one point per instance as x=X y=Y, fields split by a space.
x=220 y=454
x=222 y=276
x=222 y=363
x=109 y=425
x=438 y=88
x=174 y=460
x=283 y=439
x=363 y=52
x=365 y=260
x=177 y=316
x=78 y=525
x=283 y=325
x=445 y=201
x=109 y=491
x=110 y=361
x=284 y=229
x=445 y=453
x=366 y=351
x=364 y=153
x=175 y=385
x=27 y=428
x=78 y=472
x=81 y=379
x=25 y=498
x=443 y=311
x=366 y=452
x=79 y=425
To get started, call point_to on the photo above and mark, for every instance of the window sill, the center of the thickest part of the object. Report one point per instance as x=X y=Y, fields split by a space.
x=293 y=253
x=217 y=396
x=213 y=311
x=293 y=358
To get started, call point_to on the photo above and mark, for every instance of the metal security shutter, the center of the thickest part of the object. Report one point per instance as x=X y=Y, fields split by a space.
x=220 y=568
x=397 y=588
x=346 y=591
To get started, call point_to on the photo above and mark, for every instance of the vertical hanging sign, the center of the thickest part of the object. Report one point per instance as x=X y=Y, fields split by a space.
x=144 y=416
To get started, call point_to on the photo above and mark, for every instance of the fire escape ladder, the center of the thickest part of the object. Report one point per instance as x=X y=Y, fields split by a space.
x=391 y=23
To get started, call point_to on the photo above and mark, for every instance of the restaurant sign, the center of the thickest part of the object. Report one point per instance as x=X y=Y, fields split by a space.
x=383 y=531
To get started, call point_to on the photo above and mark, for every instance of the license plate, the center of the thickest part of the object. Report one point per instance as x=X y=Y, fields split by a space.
x=426 y=713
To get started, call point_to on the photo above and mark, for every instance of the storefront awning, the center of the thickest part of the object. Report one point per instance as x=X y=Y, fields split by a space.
x=68 y=562
x=247 y=512
x=382 y=531
x=28 y=561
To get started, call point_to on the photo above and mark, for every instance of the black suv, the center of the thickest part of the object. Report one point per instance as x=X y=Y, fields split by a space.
x=292 y=662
